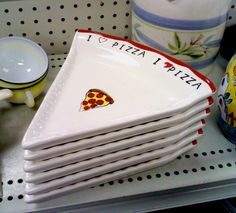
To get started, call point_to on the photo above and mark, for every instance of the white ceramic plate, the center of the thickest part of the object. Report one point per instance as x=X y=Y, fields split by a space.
x=40 y=166
x=109 y=167
x=114 y=136
x=174 y=145
x=106 y=177
x=145 y=85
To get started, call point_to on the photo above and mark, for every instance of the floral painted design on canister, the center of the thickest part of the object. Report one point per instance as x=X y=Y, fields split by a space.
x=188 y=30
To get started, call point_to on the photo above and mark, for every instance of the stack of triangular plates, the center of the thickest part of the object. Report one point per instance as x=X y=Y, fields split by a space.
x=116 y=108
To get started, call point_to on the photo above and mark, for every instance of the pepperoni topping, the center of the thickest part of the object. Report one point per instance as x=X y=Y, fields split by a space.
x=93 y=105
x=84 y=103
x=92 y=101
x=90 y=95
x=86 y=108
x=108 y=99
x=99 y=102
x=99 y=95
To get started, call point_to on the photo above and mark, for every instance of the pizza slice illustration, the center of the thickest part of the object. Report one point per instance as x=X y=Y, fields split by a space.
x=95 y=98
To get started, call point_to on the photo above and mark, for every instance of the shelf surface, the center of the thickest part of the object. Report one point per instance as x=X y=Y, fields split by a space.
x=204 y=174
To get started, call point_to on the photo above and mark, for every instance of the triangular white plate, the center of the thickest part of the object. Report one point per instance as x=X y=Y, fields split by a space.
x=40 y=166
x=129 y=171
x=114 y=136
x=167 y=144
x=145 y=85
x=110 y=167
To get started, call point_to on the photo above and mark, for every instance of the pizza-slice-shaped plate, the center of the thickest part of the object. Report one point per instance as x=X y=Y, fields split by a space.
x=40 y=166
x=145 y=85
x=128 y=171
x=109 y=167
x=184 y=136
x=54 y=151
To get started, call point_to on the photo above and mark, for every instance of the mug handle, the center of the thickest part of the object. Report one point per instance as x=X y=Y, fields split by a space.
x=5 y=93
x=29 y=99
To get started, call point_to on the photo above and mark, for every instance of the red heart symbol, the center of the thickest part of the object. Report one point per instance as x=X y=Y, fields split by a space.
x=168 y=65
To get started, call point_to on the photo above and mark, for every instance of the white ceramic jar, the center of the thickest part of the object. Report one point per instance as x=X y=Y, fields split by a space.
x=188 y=30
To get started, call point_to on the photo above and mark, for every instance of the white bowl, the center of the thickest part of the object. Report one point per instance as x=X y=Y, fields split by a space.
x=22 y=60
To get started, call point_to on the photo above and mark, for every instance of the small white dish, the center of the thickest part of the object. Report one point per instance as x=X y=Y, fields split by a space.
x=166 y=146
x=43 y=154
x=40 y=166
x=103 y=62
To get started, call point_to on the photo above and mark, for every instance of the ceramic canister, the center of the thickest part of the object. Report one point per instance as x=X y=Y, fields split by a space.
x=188 y=30
x=227 y=101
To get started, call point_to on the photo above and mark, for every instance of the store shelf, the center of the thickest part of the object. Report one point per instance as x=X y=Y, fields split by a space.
x=204 y=174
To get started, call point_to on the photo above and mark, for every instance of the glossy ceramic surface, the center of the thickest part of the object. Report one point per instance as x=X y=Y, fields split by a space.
x=66 y=148
x=166 y=146
x=106 y=177
x=40 y=166
x=226 y=100
x=188 y=30
x=23 y=69
x=105 y=62
x=22 y=60
x=109 y=167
